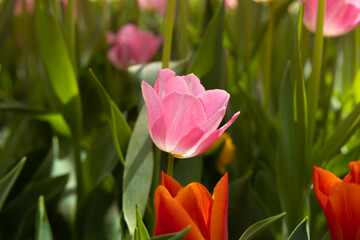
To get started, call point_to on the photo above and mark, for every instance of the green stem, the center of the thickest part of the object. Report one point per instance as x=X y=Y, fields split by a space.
x=169 y=25
x=184 y=20
x=356 y=50
x=314 y=81
x=268 y=59
x=136 y=12
x=170 y=167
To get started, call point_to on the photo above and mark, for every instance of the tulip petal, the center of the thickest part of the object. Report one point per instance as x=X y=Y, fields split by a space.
x=354 y=175
x=343 y=212
x=182 y=113
x=219 y=212
x=171 y=216
x=163 y=76
x=177 y=84
x=213 y=100
x=157 y=127
x=194 y=84
x=197 y=202
x=170 y=184
x=187 y=142
x=323 y=181
x=205 y=143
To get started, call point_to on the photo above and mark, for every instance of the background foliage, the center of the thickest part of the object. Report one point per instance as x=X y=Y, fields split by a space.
x=76 y=159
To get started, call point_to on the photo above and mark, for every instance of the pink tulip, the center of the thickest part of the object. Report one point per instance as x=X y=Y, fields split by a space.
x=131 y=46
x=19 y=6
x=341 y=16
x=231 y=4
x=159 y=6
x=183 y=118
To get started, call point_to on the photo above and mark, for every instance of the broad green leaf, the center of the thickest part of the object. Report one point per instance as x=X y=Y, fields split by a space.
x=254 y=229
x=208 y=60
x=138 y=171
x=339 y=165
x=301 y=232
x=55 y=54
x=43 y=229
x=7 y=181
x=61 y=74
x=56 y=121
x=100 y=160
x=173 y=236
x=341 y=135
x=29 y=197
x=120 y=129
x=98 y=215
x=141 y=232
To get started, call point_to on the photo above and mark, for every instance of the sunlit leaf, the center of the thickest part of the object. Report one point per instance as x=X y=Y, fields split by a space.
x=138 y=171
x=43 y=229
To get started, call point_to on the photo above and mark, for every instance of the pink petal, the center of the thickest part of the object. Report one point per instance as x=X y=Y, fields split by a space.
x=187 y=142
x=182 y=113
x=194 y=84
x=163 y=76
x=207 y=142
x=157 y=127
x=110 y=38
x=175 y=84
x=213 y=100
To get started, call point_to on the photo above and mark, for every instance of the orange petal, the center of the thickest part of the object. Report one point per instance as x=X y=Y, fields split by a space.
x=354 y=175
x=343 y=212
x=323 y=181
x=197 y=202
x=171 y=184
x=171 y=216
x=219 y=212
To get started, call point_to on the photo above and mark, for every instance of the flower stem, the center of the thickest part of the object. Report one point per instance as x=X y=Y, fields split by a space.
x=170 y=167
x=168 y=32
x=268 y=59
x=314 y=81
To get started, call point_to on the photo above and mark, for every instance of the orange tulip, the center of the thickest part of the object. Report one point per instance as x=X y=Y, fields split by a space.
x=340 y=201
x=177 y=207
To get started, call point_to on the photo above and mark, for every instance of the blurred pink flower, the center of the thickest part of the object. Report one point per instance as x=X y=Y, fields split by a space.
x=159 y=6
x=29 y=7
x=341 y=16
x=231 y=4
x=183 y=118
x=130 y=46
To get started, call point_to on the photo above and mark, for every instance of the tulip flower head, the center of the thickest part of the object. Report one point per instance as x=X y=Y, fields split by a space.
x=341 y=16
x=231 y=4
x=340 y=201
x=131 y=46
x=177 y=207
x=183 y=118
x=159 y=6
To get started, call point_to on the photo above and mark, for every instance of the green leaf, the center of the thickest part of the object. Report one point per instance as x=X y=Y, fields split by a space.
x=43 y=229
x=98 y=215
x=100 y=161
x=208 y=60
x=138 y=171
x=29 y=197
x=173 y=236
x=141 y=232
x=55 y=54
x=254 y=229
x=301 y=231
x=339 y=165
x=61 y=73
x=7 y=181
x=120 y=129
x=341 y=135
